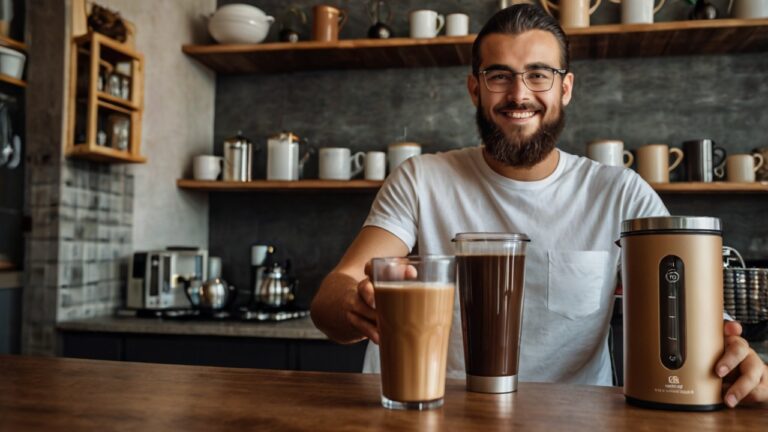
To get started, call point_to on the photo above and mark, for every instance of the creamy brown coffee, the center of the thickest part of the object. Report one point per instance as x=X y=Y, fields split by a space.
x=414 y=322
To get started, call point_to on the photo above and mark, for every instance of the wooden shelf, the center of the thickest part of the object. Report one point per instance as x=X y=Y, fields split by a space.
x=116 y=101
x=275 y=186
x=722 y=36
x=13 y=43
x=14 y=81
x=104 y=154
x=707 y=188
x=366 y=185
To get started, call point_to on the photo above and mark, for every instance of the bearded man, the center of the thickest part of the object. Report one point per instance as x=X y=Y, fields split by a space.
x=517 y=182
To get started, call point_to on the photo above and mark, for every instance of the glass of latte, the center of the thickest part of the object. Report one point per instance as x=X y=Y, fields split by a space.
x=414 y=308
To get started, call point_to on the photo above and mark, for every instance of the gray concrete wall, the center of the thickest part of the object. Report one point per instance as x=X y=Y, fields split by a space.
x=178 y=120
x=640 y=101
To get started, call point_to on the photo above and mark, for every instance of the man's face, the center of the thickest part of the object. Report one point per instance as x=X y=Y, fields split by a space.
x=520 y=127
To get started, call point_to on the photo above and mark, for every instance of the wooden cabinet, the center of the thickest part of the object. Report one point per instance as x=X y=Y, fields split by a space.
x=251 y=352
x=106 y=100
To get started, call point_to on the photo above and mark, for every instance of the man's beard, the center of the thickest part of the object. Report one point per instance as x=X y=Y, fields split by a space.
x=517 y=150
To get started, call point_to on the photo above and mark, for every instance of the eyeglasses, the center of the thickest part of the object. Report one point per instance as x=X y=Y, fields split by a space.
x=538 y=79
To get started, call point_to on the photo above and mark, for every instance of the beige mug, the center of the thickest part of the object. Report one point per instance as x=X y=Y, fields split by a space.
x=573 y=13
x=653 y=162
x=741 y=168
x=327 y=23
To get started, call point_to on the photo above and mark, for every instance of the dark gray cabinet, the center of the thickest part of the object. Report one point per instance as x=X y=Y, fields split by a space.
x=262 y=353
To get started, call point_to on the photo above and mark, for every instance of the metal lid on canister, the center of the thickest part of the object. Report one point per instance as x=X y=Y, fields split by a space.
x=672 y=224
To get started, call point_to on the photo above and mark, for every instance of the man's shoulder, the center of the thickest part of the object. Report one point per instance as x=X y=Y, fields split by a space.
x=447 y=162
x=586 y=169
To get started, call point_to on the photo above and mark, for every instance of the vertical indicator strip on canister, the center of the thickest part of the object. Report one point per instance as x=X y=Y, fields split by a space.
x=672 y=311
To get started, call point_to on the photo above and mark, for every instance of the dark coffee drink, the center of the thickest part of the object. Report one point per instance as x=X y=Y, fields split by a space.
x=414 y=322
x=491 y=295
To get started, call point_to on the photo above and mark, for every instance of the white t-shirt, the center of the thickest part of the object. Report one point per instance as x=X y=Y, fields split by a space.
x=572 y=217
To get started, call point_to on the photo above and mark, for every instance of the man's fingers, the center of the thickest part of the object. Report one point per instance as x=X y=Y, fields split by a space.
x=752 y=370
x=736 y=350
x=365 y=291
x=759 y=393
x=732 y=328
x=364 y=326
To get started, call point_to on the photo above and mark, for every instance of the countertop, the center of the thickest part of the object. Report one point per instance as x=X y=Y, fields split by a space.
x=56 y=394
x=301 y=328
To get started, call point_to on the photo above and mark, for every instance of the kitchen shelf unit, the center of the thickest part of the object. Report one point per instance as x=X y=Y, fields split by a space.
x=708 y=188
x=367 y=185
x=92 y=109
x=18 y=46
x=673 y=38
x=279 y=186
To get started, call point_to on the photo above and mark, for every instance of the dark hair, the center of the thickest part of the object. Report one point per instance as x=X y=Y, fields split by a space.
x=518 y=19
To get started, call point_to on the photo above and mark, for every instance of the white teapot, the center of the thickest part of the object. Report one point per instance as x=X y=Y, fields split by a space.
x=239 y=24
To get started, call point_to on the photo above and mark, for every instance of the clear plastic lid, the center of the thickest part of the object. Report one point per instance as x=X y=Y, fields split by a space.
x=477 y=243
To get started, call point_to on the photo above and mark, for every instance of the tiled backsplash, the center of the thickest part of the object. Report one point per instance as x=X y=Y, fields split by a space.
x=79 y=245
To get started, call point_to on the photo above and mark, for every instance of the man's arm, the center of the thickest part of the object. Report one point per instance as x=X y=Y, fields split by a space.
x=343 y=307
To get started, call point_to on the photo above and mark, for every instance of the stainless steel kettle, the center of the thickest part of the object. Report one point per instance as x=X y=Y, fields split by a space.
x=277 y=288
x=214 y=294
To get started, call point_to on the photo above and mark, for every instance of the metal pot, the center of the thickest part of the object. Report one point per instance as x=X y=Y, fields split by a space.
x=214 y=294
x=277 y=289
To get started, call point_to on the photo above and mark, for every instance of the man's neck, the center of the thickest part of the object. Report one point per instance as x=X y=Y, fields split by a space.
x=539 y=171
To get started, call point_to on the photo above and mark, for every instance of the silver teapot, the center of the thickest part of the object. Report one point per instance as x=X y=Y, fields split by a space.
x=277 y=288
x=214 y=294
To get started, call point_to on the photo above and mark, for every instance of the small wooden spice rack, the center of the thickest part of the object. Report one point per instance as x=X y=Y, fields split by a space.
x=106 y=100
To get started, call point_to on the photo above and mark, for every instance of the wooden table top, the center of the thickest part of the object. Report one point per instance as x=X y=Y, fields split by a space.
x=56 y=394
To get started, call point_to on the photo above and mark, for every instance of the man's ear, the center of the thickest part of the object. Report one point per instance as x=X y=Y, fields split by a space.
x=567 y=88
x=473 y=86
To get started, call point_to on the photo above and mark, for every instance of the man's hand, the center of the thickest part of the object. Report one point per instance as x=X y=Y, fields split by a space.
x=745 y=376
x=360 y=310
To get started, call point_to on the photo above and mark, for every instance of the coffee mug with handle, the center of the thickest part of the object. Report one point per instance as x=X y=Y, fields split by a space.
x=741 y=167
x=653 y=162
x=207 y=167
x=426 y=23
x=610 y=152
x=638 y=11
x=337 y=163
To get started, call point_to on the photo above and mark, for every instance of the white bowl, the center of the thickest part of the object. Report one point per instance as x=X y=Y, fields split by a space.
x=11 y=62
x=239 y=23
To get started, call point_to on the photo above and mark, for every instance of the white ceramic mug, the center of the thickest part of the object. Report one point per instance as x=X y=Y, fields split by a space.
x=375 y=165
x=610 y=152
x=397 y=153
x=457 y=24
x=282 y=160
x=653 y=162
x=748 y=9
x=638 y=11
x=336 y=163
x=207 y=167
x=426 y=23
x=741 y=167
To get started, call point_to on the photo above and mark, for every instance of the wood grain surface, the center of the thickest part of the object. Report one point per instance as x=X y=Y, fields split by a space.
x=722 y=36
x=56 y=394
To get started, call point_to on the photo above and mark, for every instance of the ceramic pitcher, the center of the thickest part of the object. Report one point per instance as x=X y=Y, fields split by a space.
x=748 y=9
x=573 y=13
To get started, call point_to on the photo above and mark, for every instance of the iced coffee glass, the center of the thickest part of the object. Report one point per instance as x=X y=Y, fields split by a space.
x=414 y=308
x=490 y=276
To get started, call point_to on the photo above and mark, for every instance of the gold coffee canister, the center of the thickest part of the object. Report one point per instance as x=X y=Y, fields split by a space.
x=673 y=312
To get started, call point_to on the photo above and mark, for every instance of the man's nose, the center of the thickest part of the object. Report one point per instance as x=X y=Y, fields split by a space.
x=517 y=90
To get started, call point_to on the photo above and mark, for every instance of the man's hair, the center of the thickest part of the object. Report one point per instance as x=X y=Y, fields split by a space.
x=518 y=19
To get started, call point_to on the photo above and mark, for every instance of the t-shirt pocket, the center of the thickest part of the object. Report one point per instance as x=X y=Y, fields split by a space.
x=576 y=280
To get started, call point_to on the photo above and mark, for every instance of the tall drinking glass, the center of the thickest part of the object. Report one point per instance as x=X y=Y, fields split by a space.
x=490 y=273
x=414 y=308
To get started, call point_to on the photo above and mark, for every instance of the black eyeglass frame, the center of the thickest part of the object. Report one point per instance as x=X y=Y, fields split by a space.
x=561 y=72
